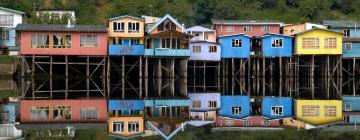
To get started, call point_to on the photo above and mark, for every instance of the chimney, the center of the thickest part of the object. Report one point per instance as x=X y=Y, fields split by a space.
x=69 y=25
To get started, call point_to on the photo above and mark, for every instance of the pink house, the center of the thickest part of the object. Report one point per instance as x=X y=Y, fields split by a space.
x=251 y=121
x=46 y=39
x=248 y=27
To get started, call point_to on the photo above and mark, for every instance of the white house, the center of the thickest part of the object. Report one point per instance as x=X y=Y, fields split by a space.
x=8 y=20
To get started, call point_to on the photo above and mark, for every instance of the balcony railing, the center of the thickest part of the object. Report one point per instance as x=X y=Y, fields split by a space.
x=126 y=49
x=167 y=52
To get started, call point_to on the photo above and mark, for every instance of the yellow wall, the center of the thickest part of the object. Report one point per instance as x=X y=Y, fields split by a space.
x=126 y=120
x=297 y=28
x=126 y=34
x=321 y=119
x=321 y=34
x=212 y=36
x=211 y=115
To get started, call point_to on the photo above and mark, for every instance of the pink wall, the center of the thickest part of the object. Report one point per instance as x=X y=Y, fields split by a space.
x=255 y=122
x=25 y=106
x=256 y=30
x=75 y=49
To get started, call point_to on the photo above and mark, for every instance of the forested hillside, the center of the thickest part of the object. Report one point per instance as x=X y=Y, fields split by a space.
x=198 y=11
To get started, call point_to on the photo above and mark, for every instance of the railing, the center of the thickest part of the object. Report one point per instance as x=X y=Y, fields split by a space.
x=126 y=49
x=167 y=52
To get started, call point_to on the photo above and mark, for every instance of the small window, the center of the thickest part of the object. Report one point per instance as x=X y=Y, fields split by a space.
x=196 y=49
x=89 y=40
x=206 y=37
x=134 y=41
x=61 y=112
x=247 y=29
x=264 y=122
x=5 y=34
x=133 y=27
x=119 y=27
x=236 y=110
x=133 y=126
x=229 y=28
x=265 y=28
x=39 y=41
x=247 y=122
x=212 y=49
x=348 y=46
x=346 y=32
x=276 y=110
x=197 y=36
x=347 y=107
x=236 y=43
x=118 y=126
x=277 y=43
x=61 y=41
x=196 y=103
x=39 y=113
x=212 y=104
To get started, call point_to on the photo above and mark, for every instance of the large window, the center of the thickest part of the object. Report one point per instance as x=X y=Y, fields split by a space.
x=212 y=104
x=133 y=27
x=119 y=27
x=170 y=43
x=236 y=110
x=89 y=113
x=277 y=43
x=330 y=43
x=310 y=43
x=89 y=40
x=310 y=110
x=212 y=49
x=276 y=110
x=229 y=28
x=134 y=41
x=265 y=28
x=39 y=41
x=196 y=49
x=330 y=111
x=6 y=20
x=61 y=41
x=5 y=34
x=39 y=113
x=236 y=43
x=133 y=126
x=118 y=126
x=61 y=112
x=196 y=103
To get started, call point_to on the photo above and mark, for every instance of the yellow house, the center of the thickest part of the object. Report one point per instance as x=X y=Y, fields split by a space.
x=126 y=30
x=317 y=41
x=291 y=29
x=318 y=112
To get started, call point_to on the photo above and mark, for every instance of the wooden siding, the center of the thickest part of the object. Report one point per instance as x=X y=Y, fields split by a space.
x=126 y=120
x=321 y=118
x=227 y=51
x=205 y=54
x=126 y=33
x=354 y=52
x=269 y=102
x=269 y=51
x=255 y=121
x=256 y=30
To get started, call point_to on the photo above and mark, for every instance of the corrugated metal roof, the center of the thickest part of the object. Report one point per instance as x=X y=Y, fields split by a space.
x=341 y=23
x=248 y=22
x=61 y=28
x=199 y=29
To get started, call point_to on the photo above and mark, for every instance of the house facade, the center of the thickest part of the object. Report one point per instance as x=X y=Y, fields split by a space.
x=318 y=41
x=276 y=107
x=9 y=18
x=351 y=109
x=292 y=29
x=318 y=112
x=8 y=113
x=203 y=45
x=276 y=45
x=233 y=110
x=255 y=28
x=167 y=38
x=235 y=46
x=126 y=117
x=204 y=107
x=126 y=35
x=46 y=39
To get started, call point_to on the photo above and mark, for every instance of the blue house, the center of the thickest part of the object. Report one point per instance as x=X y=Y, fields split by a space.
x=167 y=38
x=235 y=106
x=7 y=113
x=203 y=45
x=8 y=20
x=276 y=45
x=276 y=107
x=235 y=46
x=351 y=40
x=351 y=109
x=125 y=107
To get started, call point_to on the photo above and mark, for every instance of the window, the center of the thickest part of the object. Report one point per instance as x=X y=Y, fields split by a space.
x=292 y=31
x=212 y=49
x=196 y=49
x=197 y=36
x=170 y=43
x=265 y=123
x=133 y=126
x=276 y=110
x=89 y=113
x=330 y=43
x=133 y=27
x=212 y=104
x=236 y=43
x=346 y=32
x=310 y=110
x=229 y=28
x=5 y=34
x=236 y=110
x=229 y=123
x=39 y=113
x=61 y=41
x=118 y=126
x=247 y=122
x=196 y=103
x=247 y=29
x=119 y=27
x=348 y=46
x=277 y=43
x=330 y=111
x=265 y=28
x=134 y=112
x=310 y=43
x=206 y=37
x=39 y=41
x=117 y=41
x=134 y=41
x=89 y=40
x=347 y=107
x=61 y=112
x=6 y=20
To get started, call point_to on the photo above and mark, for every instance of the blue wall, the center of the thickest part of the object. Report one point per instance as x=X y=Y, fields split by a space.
x=353 y=33
x=269 y=51
x=170 y=102
x=227 y=102
x=126 y=104
x=354 y=102
x=10 y=42
x=126 y=50
x=268 y=102
x=227 y=51
x=205 y=54
x=353 y=52
x=9 y=108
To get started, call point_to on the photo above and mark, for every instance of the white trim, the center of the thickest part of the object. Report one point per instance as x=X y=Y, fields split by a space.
x=350 y=46
x=348 y=109
x=282 y=110
x=274 y=39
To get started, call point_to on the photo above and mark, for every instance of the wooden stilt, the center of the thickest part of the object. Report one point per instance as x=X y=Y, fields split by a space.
x=140 y=77
x=122 y=77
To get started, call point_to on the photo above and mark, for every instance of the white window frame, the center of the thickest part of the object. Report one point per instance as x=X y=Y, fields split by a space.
x=264 y=122
x=212 y=104
x=273 y=112
x=229 y=28
x=327 y=43
x=346 y=109
x=196 y=49
x=276 y=42
x=238 y=108
x=236 y=43
x=133 y=126
x=346 y=46
x=212 y=49
x=135 y=27
x=119 y=29
x=265 y=28
x=6 y=20
x=5 y=34
x=247 y=122
x=38 y=38
x=118 y=123
x=346 y=31
x=88 y=112
x=247 y=28
x=196 y=103
x=206 y=36
x=89 y=43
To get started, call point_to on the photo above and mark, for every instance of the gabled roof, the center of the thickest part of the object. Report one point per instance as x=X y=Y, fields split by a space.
x=11 y=10
x=315 y=28
x=167 y=16
x=341 y=23
x=270 y=34
x=61 y=28
x=246 y=22
x=235 y=35
x=126 y=16
x=199 y=29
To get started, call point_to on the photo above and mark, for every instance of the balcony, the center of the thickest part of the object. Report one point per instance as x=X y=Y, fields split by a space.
x=126 y=49
x=167 y=52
